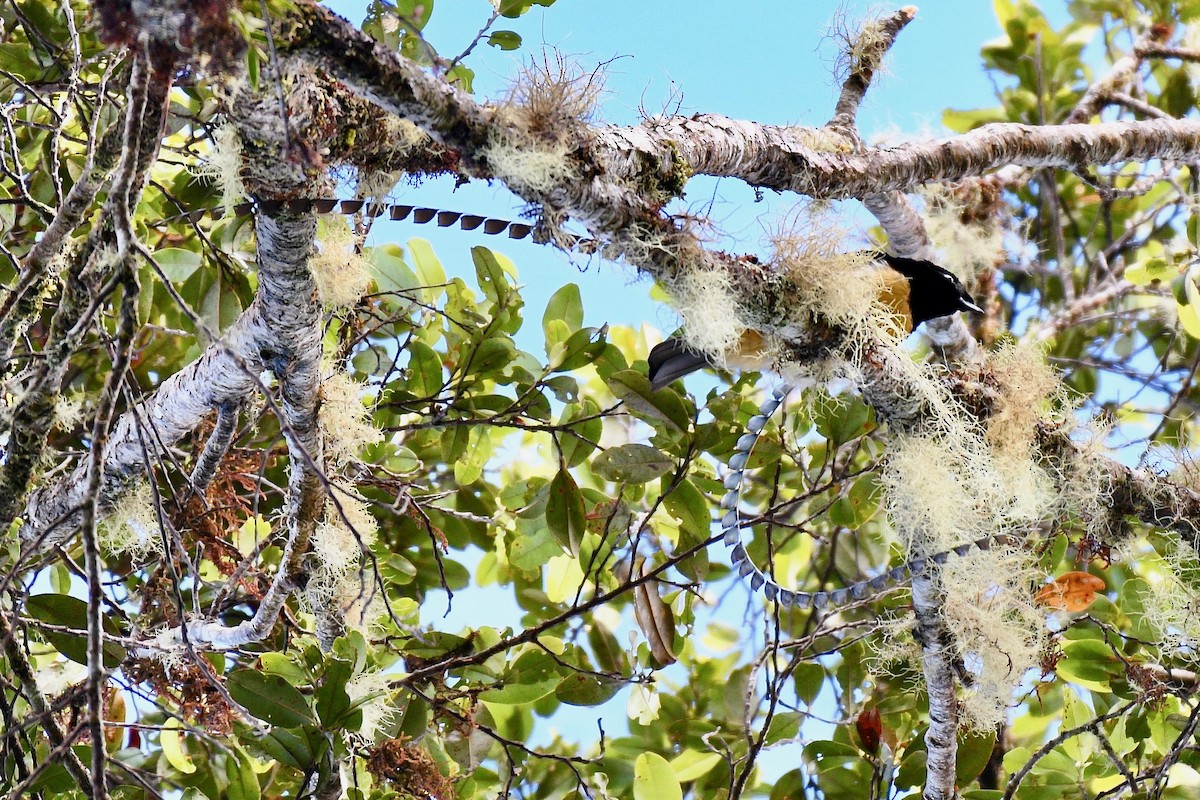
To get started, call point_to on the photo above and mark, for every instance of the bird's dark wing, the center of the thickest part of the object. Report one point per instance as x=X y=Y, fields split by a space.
x=671 y=360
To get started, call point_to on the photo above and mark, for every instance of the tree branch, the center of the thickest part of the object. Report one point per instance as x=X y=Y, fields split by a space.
x=23 y=671
x=865 y=55
x=148 y=91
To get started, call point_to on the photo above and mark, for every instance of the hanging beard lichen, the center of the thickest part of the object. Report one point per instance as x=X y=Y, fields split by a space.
x=957 y=481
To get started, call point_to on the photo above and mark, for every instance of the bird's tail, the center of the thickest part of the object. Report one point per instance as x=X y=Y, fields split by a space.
x=671 y=360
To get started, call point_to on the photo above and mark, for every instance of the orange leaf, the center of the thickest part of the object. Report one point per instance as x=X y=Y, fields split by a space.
x=1071 y=591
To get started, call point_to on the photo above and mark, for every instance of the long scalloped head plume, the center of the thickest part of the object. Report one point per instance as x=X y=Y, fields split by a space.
x=731 y=527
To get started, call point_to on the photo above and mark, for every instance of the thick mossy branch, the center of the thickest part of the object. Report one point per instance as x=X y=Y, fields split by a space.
x=1128 y=493
x=279 y=331
x=385 y=78
x=1089 y=480
x=40 y=386
x=22 y=304
x=783 y=159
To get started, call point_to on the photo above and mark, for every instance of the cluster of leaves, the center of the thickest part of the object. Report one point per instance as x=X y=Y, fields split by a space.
x=399 y=25
x=1086 y=230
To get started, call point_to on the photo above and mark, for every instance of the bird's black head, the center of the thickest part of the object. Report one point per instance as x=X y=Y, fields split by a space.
x=933 y=291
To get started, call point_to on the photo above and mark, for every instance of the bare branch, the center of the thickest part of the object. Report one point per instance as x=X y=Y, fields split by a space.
x=1118 y=75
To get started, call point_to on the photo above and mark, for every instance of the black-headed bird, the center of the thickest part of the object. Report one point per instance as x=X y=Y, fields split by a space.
x=916 y=291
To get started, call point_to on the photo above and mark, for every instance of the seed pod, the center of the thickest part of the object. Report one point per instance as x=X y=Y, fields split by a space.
x=654 y=617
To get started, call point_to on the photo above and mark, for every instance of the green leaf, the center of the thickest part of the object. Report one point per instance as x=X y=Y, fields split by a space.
x=490 y=269
x=54 y=780
x=579 y=444
x=564 y=576
x=1087 y=674
x=253 y=67
x=583 y=689
x=178 y=264
x=352 y=648
x=1146 y=272
x=665 y=407
x=270 y=698
x=491 y=356
x=505 y=40
x=147 y=280
x=607 y=650
x=60 y=579
x=242 y=783
x=790 y=786
x=632 y=463
x=463 y=77
x=469 y=467
x=974 y=752
x=415 y=13
x=823 y=755
x=514 y=8
x=653 y=779
x=557 y=334
x=171 y=743
x=859 y=504
x=809 y=677
x=1089 y=663
x=912 y=769
x=1131 y=599
x=531 y=678
x=425 y=370
x=1005 y=11
x=332 y=701
x=434 y=644
x=282 y=664
x=841 y=418
x=579 y=349
x=531 y=550
x=293 y=748
x=392 y=272
x=687 y=504
x=429 y=270
x=565 y=305
x=692 y=765
x=565 y=514
x=785 y=725
x=71 y=612
x=963 y=121
x=18 y=59
x=1053 y=554
x=211 y=293
x=1189 y=317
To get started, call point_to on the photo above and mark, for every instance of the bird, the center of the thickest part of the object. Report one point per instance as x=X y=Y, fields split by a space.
x=915 y=290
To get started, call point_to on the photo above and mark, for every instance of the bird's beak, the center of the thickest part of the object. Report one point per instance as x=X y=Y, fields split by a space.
x=970 y=305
